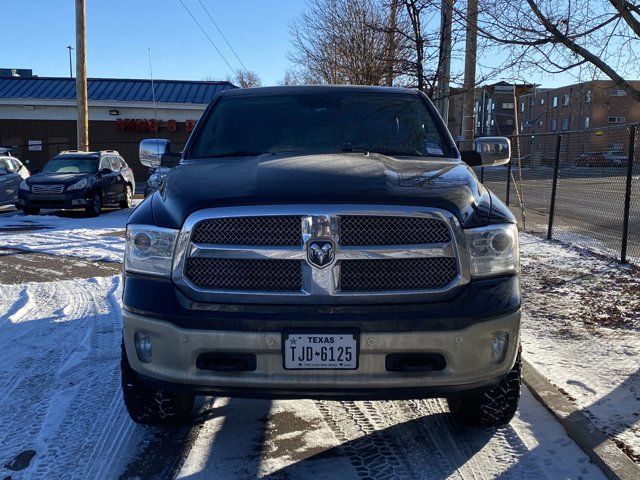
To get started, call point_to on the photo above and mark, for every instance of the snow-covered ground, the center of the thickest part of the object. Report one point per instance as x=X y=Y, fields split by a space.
x=68 y=233
x=582 y=331
x=61 y=413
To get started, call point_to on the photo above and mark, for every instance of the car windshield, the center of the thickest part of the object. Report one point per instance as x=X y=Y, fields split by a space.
x=70 y=164
x=327 y=122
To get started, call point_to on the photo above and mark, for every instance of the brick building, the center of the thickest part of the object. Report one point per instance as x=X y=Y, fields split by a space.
x=583 y=106
x=495 y=109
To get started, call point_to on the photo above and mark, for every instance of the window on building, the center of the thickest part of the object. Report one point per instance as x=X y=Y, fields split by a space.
x=617 y=93
x=565 y=124
x=522 y=107
x=586 y=121
x=566 y=99
x=587 y=96
x=542 y=101
x=555 y=101
x=616 y=119
x=533 y=102
x=509 y=122
x=554 y=125
x=540 y=123
x=507 y=106
x=492 y=122
x=493 y=106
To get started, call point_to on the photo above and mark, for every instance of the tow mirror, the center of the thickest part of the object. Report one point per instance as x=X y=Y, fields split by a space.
x=152 y=150
x=489 y=152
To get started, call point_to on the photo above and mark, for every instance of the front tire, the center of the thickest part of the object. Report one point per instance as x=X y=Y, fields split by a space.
x=128 y=195
x=494 y=407
x=152 y=406
x=95 y=207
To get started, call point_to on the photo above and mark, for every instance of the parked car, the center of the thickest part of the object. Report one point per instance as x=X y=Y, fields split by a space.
x=337 y=245
x=155 y=180
x=615 y=157
x=590 y=159
x=12 y=173
x=74 y=179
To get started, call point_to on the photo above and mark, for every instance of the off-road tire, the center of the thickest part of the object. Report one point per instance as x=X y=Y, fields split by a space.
x=493 y=407
x=152 y=406
x=95 y=207
x=128 y=195
x=31 y=211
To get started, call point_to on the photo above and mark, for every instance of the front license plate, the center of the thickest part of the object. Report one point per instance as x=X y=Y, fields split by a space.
x=305 y=351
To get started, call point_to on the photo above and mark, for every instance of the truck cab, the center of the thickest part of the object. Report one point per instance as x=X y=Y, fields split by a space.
x=322 y=242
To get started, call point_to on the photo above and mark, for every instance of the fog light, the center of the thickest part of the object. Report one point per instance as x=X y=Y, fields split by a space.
x=143 y=346
x=499 y=347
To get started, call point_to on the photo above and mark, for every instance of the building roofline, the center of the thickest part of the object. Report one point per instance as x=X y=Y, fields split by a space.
x=116 y=79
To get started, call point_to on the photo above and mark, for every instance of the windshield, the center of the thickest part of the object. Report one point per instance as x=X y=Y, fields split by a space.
x=327 y=122
x=71 y=165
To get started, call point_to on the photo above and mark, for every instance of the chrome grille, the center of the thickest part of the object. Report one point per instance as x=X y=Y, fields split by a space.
x=263 y=254
x=247 y=275
x=263 y=230
x=359 y=230
x=45 y=189
x=393 y=275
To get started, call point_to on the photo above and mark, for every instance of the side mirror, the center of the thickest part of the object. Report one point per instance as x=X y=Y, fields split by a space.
x=170 y=159
x=489 y=152
x=152 y=150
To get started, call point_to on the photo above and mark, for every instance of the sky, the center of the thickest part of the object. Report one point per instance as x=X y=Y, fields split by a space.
x=120 y=33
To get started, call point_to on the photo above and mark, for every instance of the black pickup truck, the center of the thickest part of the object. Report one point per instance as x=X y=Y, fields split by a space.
x=322 y=242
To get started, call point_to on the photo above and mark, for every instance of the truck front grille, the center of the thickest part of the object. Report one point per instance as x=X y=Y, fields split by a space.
x=394 y=275
x=264 y=230
x=359 y=230
x=247 y=275
x=319 y=254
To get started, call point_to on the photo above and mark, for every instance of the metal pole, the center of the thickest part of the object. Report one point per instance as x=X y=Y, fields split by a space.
x=69 y=47
x=442 y=97
x=471 y=48
x=627 y=195
x=552 y=207
x=508 y=181
x=81 y=77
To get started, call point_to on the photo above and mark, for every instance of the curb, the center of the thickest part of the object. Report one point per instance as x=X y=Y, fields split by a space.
x=613 y=462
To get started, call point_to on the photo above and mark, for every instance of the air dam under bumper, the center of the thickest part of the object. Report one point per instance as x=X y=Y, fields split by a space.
x=467 y=353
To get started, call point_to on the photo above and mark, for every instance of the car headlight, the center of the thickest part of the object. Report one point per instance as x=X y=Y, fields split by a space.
x=149 y=250
x=493 y=249
x=79 y=185
x=24 y=187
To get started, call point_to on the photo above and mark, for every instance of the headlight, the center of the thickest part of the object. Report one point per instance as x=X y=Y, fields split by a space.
x=79 y=185
x=493 y=249
x=24 y=186
x=149 y=250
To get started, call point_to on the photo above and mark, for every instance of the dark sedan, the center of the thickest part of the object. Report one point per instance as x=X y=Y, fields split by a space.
x=74 y=179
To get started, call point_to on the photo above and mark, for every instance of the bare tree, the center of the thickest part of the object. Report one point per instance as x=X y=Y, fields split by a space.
x=341 y=42
x=246 y=79
x=558 y=36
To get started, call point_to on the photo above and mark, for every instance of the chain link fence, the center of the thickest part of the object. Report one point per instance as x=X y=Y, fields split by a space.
x=578 y=187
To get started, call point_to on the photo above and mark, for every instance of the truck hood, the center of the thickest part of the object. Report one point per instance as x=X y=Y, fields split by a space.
x=350 y=178
x=48 y=178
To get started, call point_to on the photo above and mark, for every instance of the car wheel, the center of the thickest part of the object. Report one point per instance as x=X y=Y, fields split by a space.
x=493 y=407
x=31 y=211
x=95 y=207
x=128 y=195
x=152 y=406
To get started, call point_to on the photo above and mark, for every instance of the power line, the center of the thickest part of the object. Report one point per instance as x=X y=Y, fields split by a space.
x=207 y=35
x=222 y=35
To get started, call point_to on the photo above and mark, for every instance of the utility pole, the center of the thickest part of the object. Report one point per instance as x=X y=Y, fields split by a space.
x=81 y=77
x=391 y=42
x=69 y=47
x=442 y=96
x=471 y=49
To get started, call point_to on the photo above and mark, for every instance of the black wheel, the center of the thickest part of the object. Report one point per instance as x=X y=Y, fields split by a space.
x=31 y=211
x=95 y=207
x=128 y=195
x=493 y=407
x=152 y=406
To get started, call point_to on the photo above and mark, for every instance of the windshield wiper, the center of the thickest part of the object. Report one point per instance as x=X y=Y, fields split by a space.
x=384 y=152
x=236 y=153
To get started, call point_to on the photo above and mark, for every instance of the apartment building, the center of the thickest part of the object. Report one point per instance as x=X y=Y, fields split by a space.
x=582 y=106
x=495 y=109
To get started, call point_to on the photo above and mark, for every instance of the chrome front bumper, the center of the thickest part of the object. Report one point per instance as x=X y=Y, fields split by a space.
x=467 y=353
